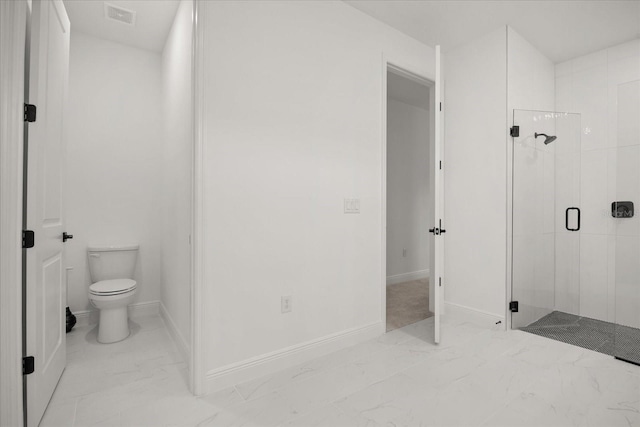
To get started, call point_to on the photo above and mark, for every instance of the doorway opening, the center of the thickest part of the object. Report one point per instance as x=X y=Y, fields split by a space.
x=112 y=210
x=410 y=120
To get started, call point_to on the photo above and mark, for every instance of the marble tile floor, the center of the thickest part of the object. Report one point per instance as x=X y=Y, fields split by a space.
x=475 y=377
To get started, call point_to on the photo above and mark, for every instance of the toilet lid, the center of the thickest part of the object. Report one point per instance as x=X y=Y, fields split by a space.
x=112 y=287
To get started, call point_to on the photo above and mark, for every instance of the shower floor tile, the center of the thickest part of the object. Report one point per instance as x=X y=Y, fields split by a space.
x=603 y=337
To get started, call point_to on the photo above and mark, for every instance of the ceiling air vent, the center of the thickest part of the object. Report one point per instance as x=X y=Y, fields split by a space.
x=119 y=14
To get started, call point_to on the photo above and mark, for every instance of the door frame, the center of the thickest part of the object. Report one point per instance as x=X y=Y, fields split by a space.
x=14 y=21
x=426 y=80
x=196 y=364
x=13 y=32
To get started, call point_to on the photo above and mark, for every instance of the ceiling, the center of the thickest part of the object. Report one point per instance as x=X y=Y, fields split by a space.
x=560 y=29
x=408 y=91
x=153 y=21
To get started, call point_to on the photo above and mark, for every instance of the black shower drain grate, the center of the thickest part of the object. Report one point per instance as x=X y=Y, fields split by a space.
x=597 y=335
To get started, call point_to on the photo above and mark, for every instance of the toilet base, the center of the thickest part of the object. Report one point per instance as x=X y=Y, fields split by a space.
x=114 y=325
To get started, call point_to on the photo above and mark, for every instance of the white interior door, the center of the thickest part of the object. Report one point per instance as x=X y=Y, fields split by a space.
x=45 y=292
x=437 y=248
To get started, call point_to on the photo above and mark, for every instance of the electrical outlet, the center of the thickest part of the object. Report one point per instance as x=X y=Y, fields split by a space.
x=351 y=205
x=285 y=304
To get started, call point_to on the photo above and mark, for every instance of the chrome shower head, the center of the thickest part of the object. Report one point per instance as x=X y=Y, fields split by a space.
x=548 y=139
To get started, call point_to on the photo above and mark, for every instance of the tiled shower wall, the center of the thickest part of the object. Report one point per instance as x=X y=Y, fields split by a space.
x=604 y=87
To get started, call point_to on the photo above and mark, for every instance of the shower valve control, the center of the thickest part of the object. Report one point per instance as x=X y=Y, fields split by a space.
x=622 y=209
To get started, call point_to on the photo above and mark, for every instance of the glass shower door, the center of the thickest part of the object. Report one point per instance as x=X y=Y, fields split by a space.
x=626 y=344
x=546 y=215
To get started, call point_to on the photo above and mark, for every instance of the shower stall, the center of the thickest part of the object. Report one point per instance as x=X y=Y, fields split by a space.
x=575 y=261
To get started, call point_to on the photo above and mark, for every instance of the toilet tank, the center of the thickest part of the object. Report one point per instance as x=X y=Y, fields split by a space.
x=112 y=262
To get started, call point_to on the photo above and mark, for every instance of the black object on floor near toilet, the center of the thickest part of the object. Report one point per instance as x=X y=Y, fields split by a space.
x=71 y=320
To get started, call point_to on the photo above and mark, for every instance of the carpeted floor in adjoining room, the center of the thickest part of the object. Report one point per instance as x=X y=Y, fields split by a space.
x=407 y=303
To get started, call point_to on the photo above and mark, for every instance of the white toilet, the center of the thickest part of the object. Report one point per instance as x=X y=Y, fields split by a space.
x=113 y=288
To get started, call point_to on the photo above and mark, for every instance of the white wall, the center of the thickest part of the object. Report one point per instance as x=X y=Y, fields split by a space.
x=530 y=86
x=603 y=87
x=531 y=76
x=114 y=154
x=475 y=170
x=484 y=82
x=176 y=173
x=408 y=207
x=293 y=96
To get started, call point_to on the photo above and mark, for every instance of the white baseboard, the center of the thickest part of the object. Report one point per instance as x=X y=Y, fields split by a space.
x=175 y=333
x=479 y=317
x=86 y=317
x=142 y=309
x=255 y=367
x=407 y=277
x=139 y=309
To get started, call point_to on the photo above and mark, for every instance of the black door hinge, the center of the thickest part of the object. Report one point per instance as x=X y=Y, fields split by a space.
x=513 y=306
x=28 y=239
x=440 y=164
x=439 y=281
x=515 y=131
x=28 y=365
x=29 y=113
x=441 y=106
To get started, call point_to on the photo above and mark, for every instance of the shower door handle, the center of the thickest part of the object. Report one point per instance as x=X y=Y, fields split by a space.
x=566 y=219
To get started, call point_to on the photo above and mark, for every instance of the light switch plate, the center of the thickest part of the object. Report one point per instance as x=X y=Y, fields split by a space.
x=351 y=205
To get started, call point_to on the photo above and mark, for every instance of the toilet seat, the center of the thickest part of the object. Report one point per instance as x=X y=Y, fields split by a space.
x=112 y=287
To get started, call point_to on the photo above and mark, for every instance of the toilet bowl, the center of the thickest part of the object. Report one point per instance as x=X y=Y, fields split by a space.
x=113 y=288
x=112 y=298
